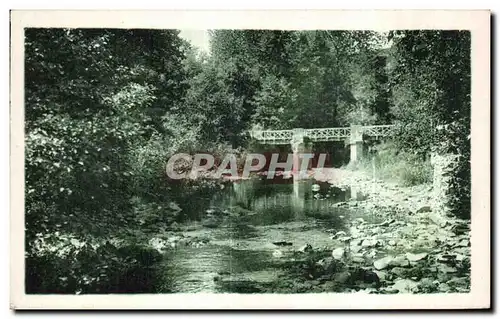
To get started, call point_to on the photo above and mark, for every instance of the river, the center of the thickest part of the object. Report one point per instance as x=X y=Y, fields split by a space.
x=252 y=234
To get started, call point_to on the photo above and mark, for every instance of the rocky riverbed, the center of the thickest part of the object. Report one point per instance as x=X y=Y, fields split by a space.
x=383 y=238
x=414 y=249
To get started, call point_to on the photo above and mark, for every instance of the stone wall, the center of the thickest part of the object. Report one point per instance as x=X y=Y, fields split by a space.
x=443 y=166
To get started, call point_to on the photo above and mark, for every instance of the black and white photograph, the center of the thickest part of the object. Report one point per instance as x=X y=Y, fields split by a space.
x=250 y=161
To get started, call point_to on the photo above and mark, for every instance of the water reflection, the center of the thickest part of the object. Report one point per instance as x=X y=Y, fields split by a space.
x=243 y=221
x=276 y=203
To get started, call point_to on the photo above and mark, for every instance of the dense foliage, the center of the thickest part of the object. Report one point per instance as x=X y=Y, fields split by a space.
x=430 y=80
x=305 y=79
x=105 y=108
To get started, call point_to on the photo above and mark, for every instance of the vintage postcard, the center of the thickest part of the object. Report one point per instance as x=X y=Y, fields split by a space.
x=250 y=159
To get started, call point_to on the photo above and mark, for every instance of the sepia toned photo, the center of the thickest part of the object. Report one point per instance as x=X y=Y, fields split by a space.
x=244 y=165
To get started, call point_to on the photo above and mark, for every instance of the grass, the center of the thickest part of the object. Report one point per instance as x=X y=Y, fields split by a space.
x=390 y=164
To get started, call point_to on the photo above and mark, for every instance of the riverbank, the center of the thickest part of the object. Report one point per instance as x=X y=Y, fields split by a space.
x=378 y=238
x=416 y=248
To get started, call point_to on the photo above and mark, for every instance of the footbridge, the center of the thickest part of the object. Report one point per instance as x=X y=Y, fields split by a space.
x=299 y=138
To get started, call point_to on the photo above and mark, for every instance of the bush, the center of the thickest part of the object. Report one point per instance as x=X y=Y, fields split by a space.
x=456 y=143
x=89 y=269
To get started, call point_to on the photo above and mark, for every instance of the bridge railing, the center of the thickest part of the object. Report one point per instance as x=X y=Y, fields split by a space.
x=271 y=135
x=328 y=134
x=320 y=134
x=378 y=130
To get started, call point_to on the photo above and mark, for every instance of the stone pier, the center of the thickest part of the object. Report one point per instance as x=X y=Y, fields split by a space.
x=301 y=182
x=356 y=143
x=300 y=147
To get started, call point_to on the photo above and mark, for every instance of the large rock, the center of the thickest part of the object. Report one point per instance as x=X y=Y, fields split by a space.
x=371 y=242
x=424 y=209
x=357 y=259
x=405 y=285
x=415 y=257
x=339 y=234
x=355 y=232
x=382 y=263
x=338 y=253
x=306 y=248
x=382 y=275
x=463 y=243
x=390 y=261
x=356 y=242
x=356 y=249
x=387 y=222
x=399 y=261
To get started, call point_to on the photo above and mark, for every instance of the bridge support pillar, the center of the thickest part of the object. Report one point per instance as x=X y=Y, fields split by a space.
x=299 y=147
x=356 y=143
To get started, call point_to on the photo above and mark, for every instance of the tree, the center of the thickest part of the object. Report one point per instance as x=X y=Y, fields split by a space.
x=289 y=79
x=430 y=75
x=91 y=97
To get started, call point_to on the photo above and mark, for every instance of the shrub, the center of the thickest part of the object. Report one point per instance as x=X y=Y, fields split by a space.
x=89 y=269
x=455 y=139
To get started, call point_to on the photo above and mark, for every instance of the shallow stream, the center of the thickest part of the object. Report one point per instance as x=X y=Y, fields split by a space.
x=250 y=231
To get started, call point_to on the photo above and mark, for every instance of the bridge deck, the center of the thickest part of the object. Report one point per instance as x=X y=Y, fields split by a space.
x=320 y=134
